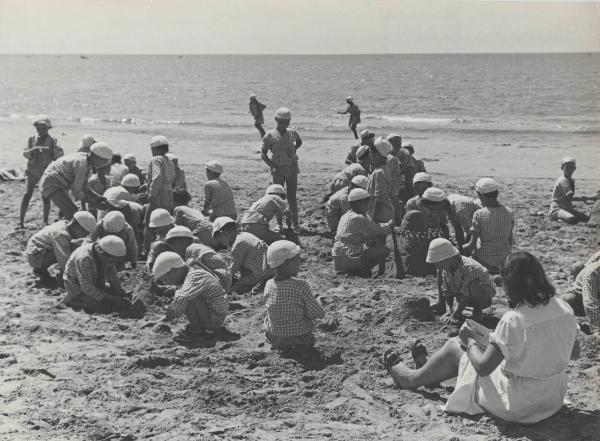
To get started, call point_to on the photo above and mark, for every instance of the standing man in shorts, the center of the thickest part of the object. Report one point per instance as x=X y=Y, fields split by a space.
x=283 y=162
x=41 y=150
x=354 y=112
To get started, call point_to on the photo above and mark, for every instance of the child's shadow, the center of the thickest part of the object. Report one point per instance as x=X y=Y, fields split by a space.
x=312 y=359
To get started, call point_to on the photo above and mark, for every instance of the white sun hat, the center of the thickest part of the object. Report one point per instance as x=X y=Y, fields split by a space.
x=114 y=221
x=275 y=189
x=358 y=194
x=130 y=180
x=165 y=262
x=159 y=140
x=360 y=181
x=220 y=222
x=283 y=113
x=160 y=218
x=383 y=146
x=86 y=220
x=440 y=249
x=362 y=151
x=113 y=245
x=214 y=166
x=422 y=177
x=486 y=185
x=280 y=251
x=101 y=150
x=434 y=194
x=179 y=231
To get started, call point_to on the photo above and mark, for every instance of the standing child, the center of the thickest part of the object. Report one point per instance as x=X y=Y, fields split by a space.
x=218 y=197
x=291 y=306
x=41 y=150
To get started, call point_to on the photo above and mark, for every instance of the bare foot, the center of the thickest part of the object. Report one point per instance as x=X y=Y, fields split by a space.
x=402 y=374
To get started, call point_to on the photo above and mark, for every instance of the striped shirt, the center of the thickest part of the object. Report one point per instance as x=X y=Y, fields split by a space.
x=291 y=308
x=264 y=209
x=587 y=285
x=379 y=188
x=86 y=275
x=249 y=257
x=494 y=226
x=68 y=172
x=199 y=282
x=219 y=196
x=458 y=283
x=53 y=237
x=353 y=232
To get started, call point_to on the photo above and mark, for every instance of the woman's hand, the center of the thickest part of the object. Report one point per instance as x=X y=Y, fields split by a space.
x=465 y=333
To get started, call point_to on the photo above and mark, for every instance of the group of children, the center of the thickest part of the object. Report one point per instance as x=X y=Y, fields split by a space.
x=131 y=215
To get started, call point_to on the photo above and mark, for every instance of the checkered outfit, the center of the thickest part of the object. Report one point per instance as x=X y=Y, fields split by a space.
x=291 y=308
x=219 y=196
x=463 y=208
x=264 y=209
x=494 y=226
x=379 y=188
x=587 y=285
x=199 y=282
x=458 y=283
x=128 y=236
x=249 y=257
x=344 y=178
x=338 y=202
x=397 y=181
x=206 y=257
x=190 y=217
x=559 y=194
x=354 y=230
x=84 y=275
x=54 y=239
x=436 y=223
x=283 y=148
x=68 y=172
x=595 y=258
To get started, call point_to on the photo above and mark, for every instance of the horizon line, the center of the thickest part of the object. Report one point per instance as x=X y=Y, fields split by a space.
x=290 y=54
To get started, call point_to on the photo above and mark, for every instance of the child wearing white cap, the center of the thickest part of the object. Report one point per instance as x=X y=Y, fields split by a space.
x=218 y=197
x=55 y=242
x=420 y=182
x=86 y=143
x=354 y=112
x=563 y=195
x=248 y=255
x=354 y=231
x=407 y=168
x=89 y=269
x=41 y=150
x=124 y=198
x=131 y=162
x=256 y=110
x=291 y=306
x=257 y=219
x=462 y=278
x=337 y=205
x=114 y=223
x=283 y=144
x=493 y=226
x=201 y=226
x=366 y=139
x=343 y=178
x=198 y=295
x=70 y=174
x=463 y=208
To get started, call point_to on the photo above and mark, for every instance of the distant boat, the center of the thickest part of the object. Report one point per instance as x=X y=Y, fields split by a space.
x=83 y=57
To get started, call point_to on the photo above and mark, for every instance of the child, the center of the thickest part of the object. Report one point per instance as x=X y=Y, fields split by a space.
x=366 y=139
x=131 y=162
x=337 y=205
x=201 y=226
x=407 y=168
x=272 y=205
x=118 y=170
x=88 y=270
x=86 y=142
x=420 y=182
x=41 y=150
x=179 y=183
x=354 y=231
x=381 y=208
x=114 y=223
x=256 y=109
x=563 y=195
x=124 y=198
x=160 y=223
x=436 y=212
x=584 y=295
x=291 y=306
x=53 y=244
x=493 y=226
x=248 y=254
x=199 y=296
x=463 y=208
x=343 y=178
x=463 y=278
x=218 y=197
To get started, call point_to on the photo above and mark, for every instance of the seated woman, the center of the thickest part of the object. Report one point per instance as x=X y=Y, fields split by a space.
x=563 y=195
x=520 y=376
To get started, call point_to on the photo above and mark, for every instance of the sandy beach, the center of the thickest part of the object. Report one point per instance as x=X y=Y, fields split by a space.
x=72 y=376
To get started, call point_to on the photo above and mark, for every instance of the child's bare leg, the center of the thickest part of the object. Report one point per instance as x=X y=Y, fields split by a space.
x=46 y=204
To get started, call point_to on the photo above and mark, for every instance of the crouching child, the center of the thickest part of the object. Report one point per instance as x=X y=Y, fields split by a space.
x=291 y=306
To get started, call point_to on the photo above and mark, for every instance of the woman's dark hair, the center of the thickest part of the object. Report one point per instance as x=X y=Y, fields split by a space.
x=116 y=158
x=525 y=281
x=181 y=197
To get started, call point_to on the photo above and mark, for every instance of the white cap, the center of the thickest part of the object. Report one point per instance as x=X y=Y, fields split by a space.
x=214 y=166
x=87 y=141
x=361 y=151
x=283 y=113
x=360 y=181
x=486 y=185
x=349 y=98
x=158 y=140
x=172 y=157
x=280 y=251
x=86 y=220
x=252 y=95
x=130 y=180
x=160 y=218
x=129 y=157
x=383 y=146
x=101 y=150
x=434 y=194
x=220 y=222
x=408 y=145
x=114 y=221
x=440 y=249
x=42 y=120
x=567 y=159
x=392 y=136
x=358 y=194
x=165 y=262
x=366 y=133
x=113 y=245
x=422 y=177
x=179 y=231
x=275 y=189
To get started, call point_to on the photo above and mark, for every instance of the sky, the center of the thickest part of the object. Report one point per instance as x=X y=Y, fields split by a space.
x=296 y=26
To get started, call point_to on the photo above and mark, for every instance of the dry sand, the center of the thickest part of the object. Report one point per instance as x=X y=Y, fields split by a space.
x=72 y=376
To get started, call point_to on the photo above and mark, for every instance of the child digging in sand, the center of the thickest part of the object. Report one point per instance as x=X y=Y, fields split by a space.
x=337 y=204
x=199 y=296
x=291 y=306
x=272 y=205
x=462 y=278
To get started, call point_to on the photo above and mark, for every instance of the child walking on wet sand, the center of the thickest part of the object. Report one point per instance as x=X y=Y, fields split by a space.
x=291 y=306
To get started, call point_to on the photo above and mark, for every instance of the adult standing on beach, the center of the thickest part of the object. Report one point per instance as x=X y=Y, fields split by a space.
x=354 y=112
x=283 y=163
x=41 y=150
x=256 y=109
